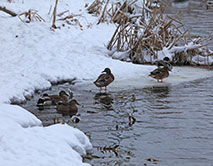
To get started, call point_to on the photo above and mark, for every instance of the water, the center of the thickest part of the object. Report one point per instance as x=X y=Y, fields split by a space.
x=194 y=15
x=173 y=122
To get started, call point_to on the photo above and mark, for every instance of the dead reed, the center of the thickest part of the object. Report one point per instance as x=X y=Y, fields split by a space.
x=30 y=15
x=144 y=29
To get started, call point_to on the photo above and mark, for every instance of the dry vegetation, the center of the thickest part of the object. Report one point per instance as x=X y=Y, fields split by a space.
x=32 y=15
x=69 y=19
x=29 y=16
x=146 y=29
x=143 y=30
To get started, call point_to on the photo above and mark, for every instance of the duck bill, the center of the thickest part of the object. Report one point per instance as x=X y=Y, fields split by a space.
x=66 y=94
x=77 y=103
x=103 y=71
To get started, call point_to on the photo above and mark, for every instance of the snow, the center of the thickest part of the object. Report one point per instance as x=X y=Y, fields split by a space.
x=33 y=56
x=54 y=145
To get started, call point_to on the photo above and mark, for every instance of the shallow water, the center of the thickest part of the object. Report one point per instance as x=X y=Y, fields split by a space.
x=194 y=15
x=173 y=121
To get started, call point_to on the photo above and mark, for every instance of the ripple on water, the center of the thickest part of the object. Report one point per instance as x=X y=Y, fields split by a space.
x=173 y=123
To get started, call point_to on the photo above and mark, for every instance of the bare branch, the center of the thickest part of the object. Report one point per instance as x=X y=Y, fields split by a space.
x=8 y=11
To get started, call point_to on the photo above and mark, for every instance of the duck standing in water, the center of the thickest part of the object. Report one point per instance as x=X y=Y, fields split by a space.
x=47 y=100
x=160 y=73
x=44 y=100
x=68 y=108
x=63 y=96
x=104 y=79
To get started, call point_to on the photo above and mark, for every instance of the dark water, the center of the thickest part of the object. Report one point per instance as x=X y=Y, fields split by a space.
x=173 y=124
x=194 y=14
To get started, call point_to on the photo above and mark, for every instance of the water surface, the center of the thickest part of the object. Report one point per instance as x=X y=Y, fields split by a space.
x=173 y=121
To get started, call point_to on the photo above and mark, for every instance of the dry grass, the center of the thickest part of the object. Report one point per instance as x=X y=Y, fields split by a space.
x=147 y=31
x=29 y=16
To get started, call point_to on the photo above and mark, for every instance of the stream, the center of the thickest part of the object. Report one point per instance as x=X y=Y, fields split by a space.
x=172 y=123
x=163 y=125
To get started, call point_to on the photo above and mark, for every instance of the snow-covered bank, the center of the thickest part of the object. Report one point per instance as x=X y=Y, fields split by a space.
x=33 y=56
x=25 y=142
x=140 y=78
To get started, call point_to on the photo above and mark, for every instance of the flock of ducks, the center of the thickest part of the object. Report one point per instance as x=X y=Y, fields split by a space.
x=63 y=102
x=67 y=106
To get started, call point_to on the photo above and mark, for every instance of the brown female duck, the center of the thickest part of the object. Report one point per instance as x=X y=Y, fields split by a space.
x=104 y=79
x=47 y=100
x=160 y=73
x=68 y=108
x=63 y=96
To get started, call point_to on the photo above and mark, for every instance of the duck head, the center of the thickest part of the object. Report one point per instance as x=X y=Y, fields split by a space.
x=45 y=95
x=74 y=102
x=107 y=70
x=166 y=59
x=63 y=93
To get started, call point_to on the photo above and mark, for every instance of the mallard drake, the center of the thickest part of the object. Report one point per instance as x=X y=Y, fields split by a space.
x=47 y=100
x=165 y=62
x=44 y=100
x=68 y=108
x=160 y=73
x=104 y=79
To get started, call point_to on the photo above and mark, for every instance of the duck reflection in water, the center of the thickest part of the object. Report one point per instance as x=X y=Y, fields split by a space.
x=158 y=92
x=104 y=99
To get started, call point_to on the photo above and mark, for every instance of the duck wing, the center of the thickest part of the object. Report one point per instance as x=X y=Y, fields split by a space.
x=159 y=73
x=156 y=71
x=103 y=78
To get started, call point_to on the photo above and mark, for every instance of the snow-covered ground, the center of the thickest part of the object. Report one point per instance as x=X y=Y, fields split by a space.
x=33 y=56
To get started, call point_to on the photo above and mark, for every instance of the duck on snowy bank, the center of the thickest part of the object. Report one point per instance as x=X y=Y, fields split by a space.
x=67 y=108
x=104 y=79
x=165 y=62
x=160 y=73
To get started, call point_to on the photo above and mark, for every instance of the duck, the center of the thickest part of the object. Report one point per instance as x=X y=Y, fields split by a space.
x=104 y=79
x=67 y=108
x=165 y=62
x=47 y=100
x=44 y=100
x=160 y=73
x=62 y=96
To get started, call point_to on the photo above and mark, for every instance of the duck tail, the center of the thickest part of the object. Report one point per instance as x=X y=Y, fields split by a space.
x=96 y=83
